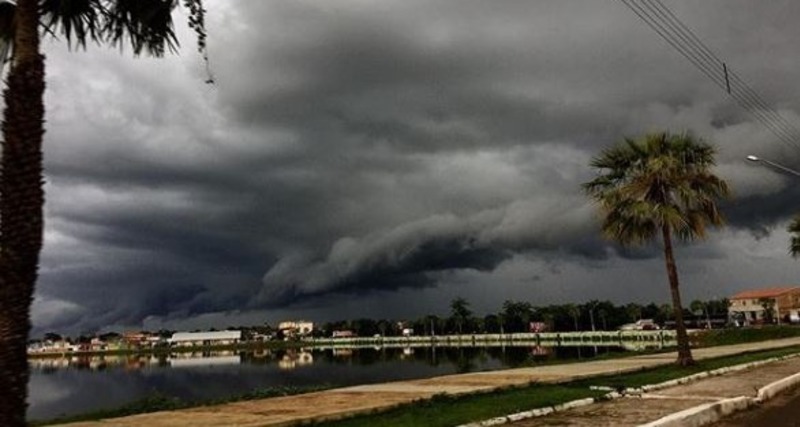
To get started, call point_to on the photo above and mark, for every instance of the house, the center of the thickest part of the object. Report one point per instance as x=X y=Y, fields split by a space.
x=189 y=339
x=343 y=334
x=50 y=346
x=97 y=344
x=296 y=328
x=749 y=307
x=135 y=340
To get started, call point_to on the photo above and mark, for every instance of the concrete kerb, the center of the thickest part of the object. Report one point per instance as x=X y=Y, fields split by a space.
x=696 y=416
x=711 y=373
x=711 y=412
x=771 y=390
x=703 y=414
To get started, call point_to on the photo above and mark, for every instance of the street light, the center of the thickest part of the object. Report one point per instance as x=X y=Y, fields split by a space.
x=779 y=166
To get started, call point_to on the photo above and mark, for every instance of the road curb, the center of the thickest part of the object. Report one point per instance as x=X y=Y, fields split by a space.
x=539 y=412
x=771 y=390
x=710 y=412
x=695 y=416
x=703 y=414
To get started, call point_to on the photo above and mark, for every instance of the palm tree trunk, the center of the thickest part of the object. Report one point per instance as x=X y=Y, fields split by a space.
x=21 y=203
x=684 y=352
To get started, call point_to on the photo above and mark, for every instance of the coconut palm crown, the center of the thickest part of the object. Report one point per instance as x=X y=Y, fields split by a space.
x=659 y=186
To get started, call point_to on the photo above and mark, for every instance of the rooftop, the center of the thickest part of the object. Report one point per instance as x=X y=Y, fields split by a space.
x=764 y=293
x=204 y=336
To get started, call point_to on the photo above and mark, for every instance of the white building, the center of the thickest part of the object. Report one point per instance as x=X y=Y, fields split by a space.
x=296 y=328
x=187 y=339
x=750 y=306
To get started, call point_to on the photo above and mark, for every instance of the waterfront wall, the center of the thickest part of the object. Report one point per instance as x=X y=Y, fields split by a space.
x=649 y=338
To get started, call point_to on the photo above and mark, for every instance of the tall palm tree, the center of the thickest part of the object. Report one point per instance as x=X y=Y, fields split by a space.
x=574 y=312
x=460 y=313
x=146 y=25
x=659 y=185
x=794 y=228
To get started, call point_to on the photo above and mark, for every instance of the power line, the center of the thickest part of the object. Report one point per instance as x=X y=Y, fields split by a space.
x=668 y=27
x=681 y=38
x=751 y=94
x=665 y=31
x=744 y=95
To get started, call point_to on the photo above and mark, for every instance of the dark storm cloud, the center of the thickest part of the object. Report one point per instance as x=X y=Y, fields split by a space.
x=355 y=147
x=386 y=260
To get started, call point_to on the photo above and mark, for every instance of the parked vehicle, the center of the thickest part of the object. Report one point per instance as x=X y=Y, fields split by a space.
x=640 y=325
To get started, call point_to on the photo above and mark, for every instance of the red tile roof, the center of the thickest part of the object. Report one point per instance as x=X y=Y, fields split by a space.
x=764 y=293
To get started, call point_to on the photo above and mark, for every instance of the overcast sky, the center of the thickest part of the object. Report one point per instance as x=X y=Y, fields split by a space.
x=379 y=158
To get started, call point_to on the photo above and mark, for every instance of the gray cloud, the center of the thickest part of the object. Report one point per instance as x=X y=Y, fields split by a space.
x=352 y=150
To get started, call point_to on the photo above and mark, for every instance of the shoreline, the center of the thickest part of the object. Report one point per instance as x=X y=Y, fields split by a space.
x=665 y=338
x=384 y=396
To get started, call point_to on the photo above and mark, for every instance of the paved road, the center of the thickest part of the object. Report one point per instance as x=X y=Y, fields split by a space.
x=336 y=403
x=633 y=411
x=782 y=411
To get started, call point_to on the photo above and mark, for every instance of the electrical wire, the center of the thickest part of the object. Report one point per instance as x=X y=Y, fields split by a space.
x=681 y=38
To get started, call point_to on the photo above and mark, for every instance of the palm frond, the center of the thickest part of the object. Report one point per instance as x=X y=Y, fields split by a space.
x=660 y=179
x=147 y=24
x=72 y=18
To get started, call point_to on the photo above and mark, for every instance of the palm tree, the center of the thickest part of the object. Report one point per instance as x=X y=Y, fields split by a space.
x=460 y=313
x=659 y=184
x=701 y=307
x=144 y=24
x=573 y=312
x=794 y=228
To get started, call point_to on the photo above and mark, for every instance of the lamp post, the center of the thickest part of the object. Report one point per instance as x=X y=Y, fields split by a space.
x=778 y=166
x=783 y=168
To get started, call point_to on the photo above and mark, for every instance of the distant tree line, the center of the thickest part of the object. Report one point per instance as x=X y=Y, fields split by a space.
x=516 y=316
x=512 y=317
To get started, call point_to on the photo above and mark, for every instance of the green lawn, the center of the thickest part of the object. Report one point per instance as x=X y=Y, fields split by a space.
x=717 y=337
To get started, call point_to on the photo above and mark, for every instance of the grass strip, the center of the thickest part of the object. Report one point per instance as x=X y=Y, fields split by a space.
x=454 y=410
x=717 y=337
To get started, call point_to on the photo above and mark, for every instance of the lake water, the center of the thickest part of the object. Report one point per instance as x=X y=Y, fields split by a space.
x=76 y=385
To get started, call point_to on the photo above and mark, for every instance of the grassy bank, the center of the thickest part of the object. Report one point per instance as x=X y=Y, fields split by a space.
x=449 y=411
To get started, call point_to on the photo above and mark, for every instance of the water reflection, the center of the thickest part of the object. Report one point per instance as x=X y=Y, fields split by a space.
x=75 y=384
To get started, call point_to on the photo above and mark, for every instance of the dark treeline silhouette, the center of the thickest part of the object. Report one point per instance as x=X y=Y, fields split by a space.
x=512 y=317
x=517 y=316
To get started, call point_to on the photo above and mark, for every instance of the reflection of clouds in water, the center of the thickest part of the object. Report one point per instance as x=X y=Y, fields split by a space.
x=73 y=390
x=48 y=390
x=78 y=387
